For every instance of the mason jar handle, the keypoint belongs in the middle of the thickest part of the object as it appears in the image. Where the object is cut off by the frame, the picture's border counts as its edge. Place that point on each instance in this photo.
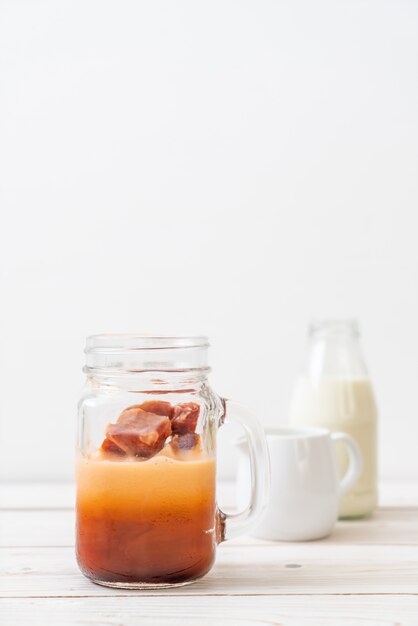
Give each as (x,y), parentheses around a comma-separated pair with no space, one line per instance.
(355,462)
(240,523)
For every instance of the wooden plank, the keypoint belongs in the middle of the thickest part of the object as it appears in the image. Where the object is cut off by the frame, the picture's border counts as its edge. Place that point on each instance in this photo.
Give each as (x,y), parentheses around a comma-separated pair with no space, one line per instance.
(268,569)
(56,528)
(347,579)
(213,611)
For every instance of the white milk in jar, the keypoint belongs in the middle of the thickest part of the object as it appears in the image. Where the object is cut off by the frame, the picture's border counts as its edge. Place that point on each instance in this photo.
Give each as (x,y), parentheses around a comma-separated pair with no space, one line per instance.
(335,392)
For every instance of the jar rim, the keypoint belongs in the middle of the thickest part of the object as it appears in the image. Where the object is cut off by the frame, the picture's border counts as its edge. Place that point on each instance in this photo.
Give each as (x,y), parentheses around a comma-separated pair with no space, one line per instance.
(116,342)
(140,354)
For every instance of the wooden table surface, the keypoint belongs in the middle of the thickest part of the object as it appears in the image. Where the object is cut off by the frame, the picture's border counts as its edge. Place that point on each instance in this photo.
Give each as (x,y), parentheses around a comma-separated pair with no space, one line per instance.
(366,573)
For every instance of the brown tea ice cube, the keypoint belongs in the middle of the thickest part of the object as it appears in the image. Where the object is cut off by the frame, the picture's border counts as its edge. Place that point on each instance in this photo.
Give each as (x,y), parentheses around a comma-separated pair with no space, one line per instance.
(188,441)
(139,433)
(108,447)
(159,407)
(185,418)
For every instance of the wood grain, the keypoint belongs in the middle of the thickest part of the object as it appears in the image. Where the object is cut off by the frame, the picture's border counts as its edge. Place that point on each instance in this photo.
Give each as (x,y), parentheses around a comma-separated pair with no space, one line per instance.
(270,569)
(213,611)
(365,574)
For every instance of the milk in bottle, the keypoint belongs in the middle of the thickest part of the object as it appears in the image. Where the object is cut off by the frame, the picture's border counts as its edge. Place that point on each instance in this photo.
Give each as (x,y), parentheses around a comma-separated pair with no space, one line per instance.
(335,392)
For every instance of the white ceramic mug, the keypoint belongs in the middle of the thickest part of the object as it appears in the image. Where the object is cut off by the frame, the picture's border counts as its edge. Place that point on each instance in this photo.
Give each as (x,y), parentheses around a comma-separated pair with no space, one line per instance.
(305,485)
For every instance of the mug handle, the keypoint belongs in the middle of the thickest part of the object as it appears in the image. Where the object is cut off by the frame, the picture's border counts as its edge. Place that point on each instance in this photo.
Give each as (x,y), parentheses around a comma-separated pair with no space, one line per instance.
(355,462)
(239,523)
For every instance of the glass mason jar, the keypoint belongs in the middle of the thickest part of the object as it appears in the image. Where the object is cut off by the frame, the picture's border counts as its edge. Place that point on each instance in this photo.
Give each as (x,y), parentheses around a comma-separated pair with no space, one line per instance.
(146,463)
(335,392)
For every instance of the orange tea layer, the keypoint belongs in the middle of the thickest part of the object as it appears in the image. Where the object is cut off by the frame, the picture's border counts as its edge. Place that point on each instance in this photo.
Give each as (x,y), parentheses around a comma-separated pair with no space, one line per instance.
(147,521)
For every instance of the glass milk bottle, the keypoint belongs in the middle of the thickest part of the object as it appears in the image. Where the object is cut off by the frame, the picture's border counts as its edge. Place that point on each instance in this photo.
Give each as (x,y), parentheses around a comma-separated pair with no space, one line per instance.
(335,392)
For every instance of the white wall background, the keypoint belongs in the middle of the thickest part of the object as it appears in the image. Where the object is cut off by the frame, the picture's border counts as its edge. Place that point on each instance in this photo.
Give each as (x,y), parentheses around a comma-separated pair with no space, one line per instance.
(225,167)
